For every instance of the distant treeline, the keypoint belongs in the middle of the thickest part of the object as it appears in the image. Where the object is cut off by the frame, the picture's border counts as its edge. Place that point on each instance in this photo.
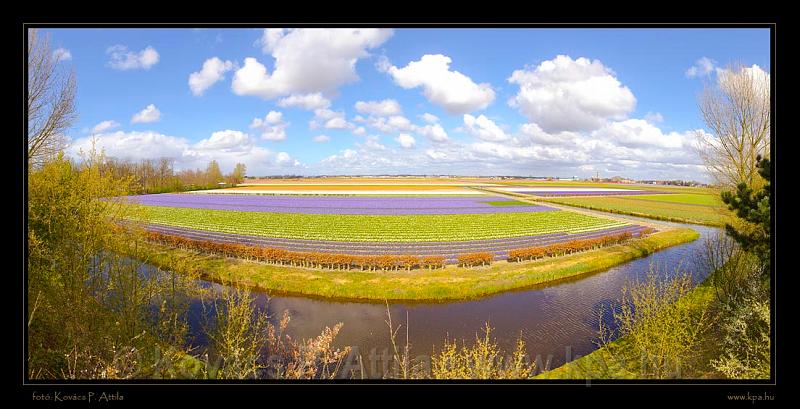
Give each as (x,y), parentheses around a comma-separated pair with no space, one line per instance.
(159,176)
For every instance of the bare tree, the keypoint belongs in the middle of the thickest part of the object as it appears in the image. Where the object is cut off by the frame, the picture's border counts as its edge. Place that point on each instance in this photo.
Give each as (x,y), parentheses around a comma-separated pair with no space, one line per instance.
(237,176)
(51,100)
(736,110)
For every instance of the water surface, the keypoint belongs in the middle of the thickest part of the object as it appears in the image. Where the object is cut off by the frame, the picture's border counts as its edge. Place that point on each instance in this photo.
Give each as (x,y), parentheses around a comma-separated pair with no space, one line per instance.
(558,321)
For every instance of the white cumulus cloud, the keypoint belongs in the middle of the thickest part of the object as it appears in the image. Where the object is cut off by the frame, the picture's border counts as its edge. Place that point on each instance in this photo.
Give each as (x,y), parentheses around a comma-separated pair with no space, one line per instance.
(387,107)
(213,70)
(760,77)
(654,117)
(285,159)
(120,58)
(322,138)
(272,126)
(308,102)
(536,135)
(701,67)
(406,141)
(433,132)
(372,143)
(226,141)
(360,131)
(390,125)
(563,94)
(484,128)
(329,119)
(632,148)
(104,126)
(227,147)
(641,133)
(451,90)
(132,145)
(307,60)
(148,114)
(430,118)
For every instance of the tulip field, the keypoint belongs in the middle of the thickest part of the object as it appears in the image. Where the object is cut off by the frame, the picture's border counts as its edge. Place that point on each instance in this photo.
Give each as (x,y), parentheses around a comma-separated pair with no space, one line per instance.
(468,230)
(380,228)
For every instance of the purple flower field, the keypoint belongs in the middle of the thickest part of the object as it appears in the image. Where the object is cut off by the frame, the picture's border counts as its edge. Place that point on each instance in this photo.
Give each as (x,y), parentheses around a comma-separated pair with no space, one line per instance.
(336,205)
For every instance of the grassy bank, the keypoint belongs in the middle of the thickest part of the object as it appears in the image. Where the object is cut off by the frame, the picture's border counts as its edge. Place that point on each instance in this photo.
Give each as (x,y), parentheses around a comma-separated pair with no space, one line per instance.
(450,283)
(600,364)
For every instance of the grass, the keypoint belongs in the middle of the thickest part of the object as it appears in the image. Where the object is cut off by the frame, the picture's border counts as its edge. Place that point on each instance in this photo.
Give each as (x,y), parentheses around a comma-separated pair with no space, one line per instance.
(683,198)
(687,208)
(600,364)
(366,228)
(450,283)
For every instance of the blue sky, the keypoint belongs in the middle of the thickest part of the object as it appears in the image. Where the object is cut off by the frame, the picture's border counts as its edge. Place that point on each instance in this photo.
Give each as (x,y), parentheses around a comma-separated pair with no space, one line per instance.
(613,101)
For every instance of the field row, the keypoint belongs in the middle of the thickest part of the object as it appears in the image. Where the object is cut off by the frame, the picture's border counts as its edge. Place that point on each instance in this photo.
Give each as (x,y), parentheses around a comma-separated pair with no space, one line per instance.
(570,191)
(339,205)
(343,261)
(346,190)
(345,181)
(550,193)
(499,249)
(687,208)
(375,187)
(372,228)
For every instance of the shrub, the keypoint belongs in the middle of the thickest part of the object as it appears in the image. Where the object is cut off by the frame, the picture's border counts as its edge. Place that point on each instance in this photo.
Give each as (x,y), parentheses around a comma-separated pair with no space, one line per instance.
(484,360)
(662,329)
(431,262)
(746,344)
(475,259)
(569,247)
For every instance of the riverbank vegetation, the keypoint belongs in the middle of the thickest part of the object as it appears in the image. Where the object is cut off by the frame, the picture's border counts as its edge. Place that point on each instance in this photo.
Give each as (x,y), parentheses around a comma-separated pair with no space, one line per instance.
(660,331)
(480,358)
(668,330)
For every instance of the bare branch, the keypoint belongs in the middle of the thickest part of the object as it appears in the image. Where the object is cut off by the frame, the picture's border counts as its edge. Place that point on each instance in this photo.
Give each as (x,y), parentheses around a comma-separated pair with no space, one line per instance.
(51,101)
(736,110)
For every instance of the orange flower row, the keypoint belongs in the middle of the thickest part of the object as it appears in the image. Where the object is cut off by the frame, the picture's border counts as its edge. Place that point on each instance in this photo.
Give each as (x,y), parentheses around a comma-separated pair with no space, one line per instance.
(475,259)
(569,247)
(383,262)
(302,259)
